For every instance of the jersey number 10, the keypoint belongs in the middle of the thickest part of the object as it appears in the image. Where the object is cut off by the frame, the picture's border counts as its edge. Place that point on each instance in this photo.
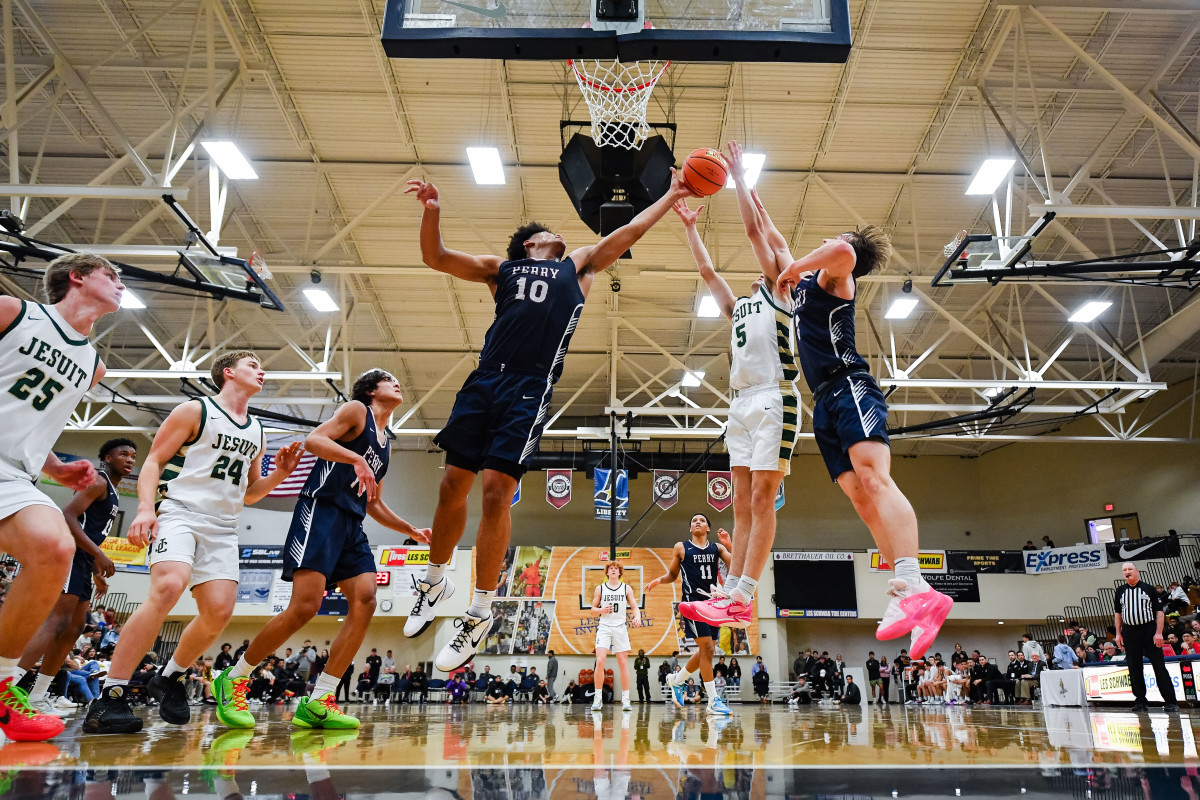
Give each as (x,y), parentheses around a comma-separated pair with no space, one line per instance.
(537,290)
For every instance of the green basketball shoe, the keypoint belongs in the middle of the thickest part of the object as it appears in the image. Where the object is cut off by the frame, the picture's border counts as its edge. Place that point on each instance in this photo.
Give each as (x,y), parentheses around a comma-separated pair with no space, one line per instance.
(232,709)
(322,712)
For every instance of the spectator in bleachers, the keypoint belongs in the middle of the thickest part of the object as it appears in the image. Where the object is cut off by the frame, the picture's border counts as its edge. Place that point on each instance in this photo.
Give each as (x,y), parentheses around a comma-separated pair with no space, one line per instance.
(1029,646)
(1064,655)
(1108,651)
(419,683)
(224,658)
(691,693)
(1188,646)
(496,694)
(1080,655)
(735,674)
(983,674)
(1177,599)
(958,656)
(762,681)
(1086,638)
(851,696)
(1047,543)
(1029,679)
(1029,545)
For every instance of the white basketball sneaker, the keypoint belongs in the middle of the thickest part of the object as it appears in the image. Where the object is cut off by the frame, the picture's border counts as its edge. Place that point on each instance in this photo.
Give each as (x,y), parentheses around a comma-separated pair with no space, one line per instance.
(429,596)
(465,644)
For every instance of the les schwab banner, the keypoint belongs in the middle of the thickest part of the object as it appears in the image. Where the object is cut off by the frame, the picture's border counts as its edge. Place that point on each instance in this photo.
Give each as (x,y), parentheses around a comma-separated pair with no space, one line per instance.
(930,560)
(1112,682)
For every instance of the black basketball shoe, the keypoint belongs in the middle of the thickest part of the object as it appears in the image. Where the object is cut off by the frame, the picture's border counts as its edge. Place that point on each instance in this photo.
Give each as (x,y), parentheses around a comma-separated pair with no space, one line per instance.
(26,682)
(172,698)
(110,713)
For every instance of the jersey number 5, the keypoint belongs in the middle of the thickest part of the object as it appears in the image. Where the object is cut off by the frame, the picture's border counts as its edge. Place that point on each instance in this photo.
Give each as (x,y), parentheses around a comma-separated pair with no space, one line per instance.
(230,467)
(537,290)
(30,381)
(740,330)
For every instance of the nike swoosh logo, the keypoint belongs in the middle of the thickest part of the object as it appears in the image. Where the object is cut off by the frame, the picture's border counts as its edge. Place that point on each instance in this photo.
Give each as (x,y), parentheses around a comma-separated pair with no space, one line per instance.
(527,397)
(499,12)
(319,716)
(1124,553)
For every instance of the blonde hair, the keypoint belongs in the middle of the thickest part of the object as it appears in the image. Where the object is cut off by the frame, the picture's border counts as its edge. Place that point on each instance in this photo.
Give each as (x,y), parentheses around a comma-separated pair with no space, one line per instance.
(610,564)
(228,361)
(57,279)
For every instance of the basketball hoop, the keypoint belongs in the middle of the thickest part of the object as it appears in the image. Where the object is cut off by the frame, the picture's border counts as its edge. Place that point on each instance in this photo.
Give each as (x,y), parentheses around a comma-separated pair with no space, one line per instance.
(617,95)
(259,265)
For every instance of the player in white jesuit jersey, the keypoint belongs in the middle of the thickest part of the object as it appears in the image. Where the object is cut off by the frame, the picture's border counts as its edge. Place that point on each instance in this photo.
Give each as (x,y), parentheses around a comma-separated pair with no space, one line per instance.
(47,365)
(610,601)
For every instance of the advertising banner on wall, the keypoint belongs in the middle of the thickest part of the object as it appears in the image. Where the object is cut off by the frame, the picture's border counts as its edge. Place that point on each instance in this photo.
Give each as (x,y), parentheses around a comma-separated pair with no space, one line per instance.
(961,587)
(1142,549)
(124,555)
(1111,682)
(1065,559)
(931,561)
(986,562)
(260,556)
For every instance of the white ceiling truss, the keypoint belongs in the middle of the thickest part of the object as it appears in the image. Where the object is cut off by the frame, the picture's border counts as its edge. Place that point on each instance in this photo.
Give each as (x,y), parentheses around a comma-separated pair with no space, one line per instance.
(105,102)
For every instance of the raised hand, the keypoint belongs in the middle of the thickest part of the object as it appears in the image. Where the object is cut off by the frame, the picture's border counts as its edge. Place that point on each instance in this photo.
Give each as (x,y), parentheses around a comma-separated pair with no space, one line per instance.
(688,216)
(427,193)
(288,458)
(678,187)
(733,154)
(724,538)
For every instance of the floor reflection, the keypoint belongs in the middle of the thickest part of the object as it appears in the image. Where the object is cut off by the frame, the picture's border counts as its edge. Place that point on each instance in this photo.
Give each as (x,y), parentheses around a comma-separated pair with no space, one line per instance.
(655,752)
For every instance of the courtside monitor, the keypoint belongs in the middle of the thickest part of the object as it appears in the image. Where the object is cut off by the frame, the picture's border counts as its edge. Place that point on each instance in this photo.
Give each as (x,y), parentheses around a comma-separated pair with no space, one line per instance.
(628,30)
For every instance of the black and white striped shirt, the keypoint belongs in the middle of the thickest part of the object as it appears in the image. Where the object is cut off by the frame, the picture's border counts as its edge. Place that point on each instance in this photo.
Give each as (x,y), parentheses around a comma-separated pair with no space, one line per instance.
(1138,604)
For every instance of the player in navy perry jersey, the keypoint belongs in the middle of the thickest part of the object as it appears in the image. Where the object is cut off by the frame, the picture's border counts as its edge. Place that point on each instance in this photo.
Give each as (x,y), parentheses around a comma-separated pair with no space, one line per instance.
(500,411)
(850,414)
(326,547)
(90,515)
(697,561)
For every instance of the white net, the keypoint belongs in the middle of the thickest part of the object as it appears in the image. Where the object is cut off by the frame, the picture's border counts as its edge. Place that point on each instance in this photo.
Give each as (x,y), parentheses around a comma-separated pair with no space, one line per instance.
(617,95)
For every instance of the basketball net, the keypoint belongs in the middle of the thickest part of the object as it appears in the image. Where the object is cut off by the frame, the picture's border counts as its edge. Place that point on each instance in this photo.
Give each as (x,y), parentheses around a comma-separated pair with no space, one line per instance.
(617,95)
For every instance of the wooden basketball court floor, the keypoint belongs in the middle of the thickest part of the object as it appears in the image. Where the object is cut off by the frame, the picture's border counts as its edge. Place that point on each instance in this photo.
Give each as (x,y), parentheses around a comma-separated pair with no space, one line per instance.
(657,751)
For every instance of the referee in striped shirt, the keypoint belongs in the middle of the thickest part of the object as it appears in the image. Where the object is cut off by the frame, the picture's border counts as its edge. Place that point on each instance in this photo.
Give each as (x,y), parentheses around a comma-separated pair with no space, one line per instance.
(1139,623)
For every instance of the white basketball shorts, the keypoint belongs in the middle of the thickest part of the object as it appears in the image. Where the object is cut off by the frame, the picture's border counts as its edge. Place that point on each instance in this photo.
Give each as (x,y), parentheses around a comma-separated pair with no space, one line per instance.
(208,544)
(763,421)
(613,638)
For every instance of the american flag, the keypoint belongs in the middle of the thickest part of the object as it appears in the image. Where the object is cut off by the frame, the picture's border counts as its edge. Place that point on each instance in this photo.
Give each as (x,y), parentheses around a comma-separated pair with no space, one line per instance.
(292,484)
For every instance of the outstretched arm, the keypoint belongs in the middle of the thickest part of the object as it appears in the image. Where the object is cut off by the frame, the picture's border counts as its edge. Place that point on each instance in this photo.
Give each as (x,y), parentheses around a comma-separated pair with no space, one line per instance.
(835,256)
(762,234)
(672,573)
(381,513)
(435,254)
(717,286)
(603,254)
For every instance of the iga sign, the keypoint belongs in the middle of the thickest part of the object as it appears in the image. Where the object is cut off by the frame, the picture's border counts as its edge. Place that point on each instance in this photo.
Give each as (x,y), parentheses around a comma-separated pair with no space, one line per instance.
(1065,559)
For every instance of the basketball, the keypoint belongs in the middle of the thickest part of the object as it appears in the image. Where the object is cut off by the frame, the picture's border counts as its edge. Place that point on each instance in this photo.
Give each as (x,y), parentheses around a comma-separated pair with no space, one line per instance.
(705,171)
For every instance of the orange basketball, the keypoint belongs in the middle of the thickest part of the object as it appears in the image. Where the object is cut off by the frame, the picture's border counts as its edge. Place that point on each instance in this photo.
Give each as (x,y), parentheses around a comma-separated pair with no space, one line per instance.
(705,171)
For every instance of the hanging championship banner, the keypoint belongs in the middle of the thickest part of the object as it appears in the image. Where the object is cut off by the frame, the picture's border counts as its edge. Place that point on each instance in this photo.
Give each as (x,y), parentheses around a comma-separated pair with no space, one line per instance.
(516,496)
(780,499)
(720,490)
(603,495)
(666,488)
(558,487)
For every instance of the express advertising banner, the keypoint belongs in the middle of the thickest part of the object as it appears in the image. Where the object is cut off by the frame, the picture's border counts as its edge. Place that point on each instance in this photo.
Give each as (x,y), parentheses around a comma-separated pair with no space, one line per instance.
(1065,559)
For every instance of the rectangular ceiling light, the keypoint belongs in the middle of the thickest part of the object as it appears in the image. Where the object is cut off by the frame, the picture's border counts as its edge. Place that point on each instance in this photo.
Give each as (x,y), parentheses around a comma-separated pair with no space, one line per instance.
(990,175)
(708,307)
(692,378)
(230,160)
(485,163)
(320,300)
(1089,311)
(901,307)
(131,300)
(753,162)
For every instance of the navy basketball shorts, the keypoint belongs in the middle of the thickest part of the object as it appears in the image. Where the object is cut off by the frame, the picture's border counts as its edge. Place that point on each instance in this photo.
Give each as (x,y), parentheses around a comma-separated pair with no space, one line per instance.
(496,422)
(79,582)
(327,539)
(697,630)
(851,413)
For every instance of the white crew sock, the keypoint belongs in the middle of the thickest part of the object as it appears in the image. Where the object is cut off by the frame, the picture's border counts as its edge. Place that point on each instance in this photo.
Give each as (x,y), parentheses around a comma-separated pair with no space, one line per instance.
(908,569)
(8,669)
(226,787)
(681,678)
(710,687)
(731,582)
(41,686)
(325,683)
(745,590)
(624,697)
(172,669)
(18,673)
(110,682)
(434,573)
(481,603)
(241,669)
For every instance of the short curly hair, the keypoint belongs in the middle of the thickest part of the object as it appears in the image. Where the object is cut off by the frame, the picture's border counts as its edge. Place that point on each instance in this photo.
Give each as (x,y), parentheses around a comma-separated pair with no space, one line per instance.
(113,444)
(368,382)
(609,564)
(516,244)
